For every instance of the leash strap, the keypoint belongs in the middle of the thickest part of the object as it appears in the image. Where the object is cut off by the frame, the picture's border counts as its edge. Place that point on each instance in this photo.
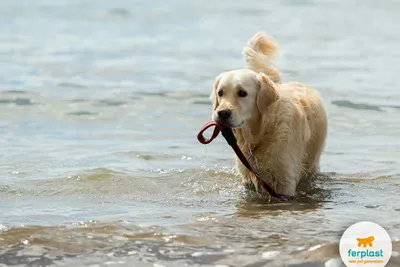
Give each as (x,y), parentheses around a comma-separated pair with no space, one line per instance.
(231,140)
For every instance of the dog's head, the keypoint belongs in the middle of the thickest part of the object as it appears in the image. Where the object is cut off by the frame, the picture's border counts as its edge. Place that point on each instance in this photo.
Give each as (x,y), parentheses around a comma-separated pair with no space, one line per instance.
(239,95)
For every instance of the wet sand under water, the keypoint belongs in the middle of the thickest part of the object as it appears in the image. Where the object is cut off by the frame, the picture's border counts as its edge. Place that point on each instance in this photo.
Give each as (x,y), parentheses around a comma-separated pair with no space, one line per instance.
(100,105)
(205,218)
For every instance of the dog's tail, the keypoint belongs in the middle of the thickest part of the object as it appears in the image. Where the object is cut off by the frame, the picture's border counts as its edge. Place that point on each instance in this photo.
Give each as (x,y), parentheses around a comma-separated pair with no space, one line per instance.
(259,54)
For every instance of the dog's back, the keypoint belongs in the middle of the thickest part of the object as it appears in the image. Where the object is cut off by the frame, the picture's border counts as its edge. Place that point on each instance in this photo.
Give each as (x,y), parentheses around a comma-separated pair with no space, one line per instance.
(259,54)
(309,100)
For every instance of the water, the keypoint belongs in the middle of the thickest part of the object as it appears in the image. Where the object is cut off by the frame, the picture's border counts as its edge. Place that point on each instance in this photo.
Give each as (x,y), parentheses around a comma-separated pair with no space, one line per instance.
(100,104)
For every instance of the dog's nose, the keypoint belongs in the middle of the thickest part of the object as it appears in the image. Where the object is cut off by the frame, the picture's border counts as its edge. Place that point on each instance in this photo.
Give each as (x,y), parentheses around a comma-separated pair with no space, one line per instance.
(224,114)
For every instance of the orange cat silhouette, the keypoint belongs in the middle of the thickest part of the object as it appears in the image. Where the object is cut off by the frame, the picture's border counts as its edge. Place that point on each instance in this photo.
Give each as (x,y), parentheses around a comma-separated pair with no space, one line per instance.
(365,241)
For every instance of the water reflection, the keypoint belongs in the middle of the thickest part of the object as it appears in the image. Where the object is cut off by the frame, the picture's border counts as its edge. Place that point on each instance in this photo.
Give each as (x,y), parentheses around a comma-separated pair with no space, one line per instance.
(312,193)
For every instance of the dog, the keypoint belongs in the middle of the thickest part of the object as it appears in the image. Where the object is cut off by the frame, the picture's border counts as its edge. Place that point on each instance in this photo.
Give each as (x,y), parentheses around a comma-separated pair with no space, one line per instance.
(280,127)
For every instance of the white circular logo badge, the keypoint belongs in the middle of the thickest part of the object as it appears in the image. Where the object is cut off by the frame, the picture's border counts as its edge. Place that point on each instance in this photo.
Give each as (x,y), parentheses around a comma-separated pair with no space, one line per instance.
(365,243)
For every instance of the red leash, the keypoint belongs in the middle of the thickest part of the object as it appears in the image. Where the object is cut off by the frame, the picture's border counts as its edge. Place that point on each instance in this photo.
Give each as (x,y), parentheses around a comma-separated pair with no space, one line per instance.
(231,139)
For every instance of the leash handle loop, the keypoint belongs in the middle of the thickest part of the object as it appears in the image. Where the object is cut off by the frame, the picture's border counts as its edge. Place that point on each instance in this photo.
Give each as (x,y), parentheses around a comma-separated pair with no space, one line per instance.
(219,127)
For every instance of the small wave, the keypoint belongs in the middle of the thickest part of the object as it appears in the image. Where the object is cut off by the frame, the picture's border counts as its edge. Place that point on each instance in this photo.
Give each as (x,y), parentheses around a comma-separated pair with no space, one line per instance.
(71,85)
(82,113)
(19,101)
(168,185)
(113,13)
(17,92)
(112,103)
(175,94)
(366,177)
(201,102)
(78,100)
(349,104)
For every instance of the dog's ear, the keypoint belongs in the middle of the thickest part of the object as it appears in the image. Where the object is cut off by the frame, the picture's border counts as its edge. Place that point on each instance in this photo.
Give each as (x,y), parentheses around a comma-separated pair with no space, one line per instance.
(213,96)
(267,93)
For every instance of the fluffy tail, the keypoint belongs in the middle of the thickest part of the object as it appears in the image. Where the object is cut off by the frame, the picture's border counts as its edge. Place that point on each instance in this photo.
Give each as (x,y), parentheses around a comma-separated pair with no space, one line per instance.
(259,54)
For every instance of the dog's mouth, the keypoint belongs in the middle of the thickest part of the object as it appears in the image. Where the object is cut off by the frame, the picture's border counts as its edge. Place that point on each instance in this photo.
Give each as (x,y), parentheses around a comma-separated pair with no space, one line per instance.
(232,125)
(240,125)
(231,121)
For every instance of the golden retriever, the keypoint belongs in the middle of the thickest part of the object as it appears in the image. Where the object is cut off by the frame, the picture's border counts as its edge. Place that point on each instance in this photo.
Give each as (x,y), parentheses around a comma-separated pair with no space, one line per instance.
(280,127)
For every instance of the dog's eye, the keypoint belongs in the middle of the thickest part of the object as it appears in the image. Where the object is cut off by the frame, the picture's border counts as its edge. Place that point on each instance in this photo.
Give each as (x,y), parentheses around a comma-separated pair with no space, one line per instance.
(242,93)
(220,93)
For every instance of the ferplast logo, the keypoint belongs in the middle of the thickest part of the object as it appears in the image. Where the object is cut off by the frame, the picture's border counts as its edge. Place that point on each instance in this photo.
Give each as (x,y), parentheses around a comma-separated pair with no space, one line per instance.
(365,243)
